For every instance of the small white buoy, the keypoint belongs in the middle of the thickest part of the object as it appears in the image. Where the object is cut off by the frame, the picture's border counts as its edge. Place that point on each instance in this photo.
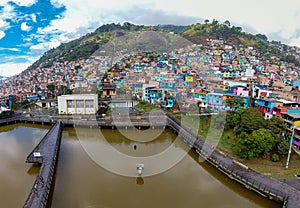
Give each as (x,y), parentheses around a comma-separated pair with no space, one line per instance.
(140,167)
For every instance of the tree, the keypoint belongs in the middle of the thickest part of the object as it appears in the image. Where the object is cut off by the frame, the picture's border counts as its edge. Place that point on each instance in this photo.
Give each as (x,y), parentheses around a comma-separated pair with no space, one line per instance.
(276,125)
(282,147)
(251,120)
(227,23)
(206,21)
(234,119)
(234,102)
(230,102)
(214,22)
(252,145)
(51,87)
(243,147)
(262,37)
(94,89)
(265,138)
(64,90)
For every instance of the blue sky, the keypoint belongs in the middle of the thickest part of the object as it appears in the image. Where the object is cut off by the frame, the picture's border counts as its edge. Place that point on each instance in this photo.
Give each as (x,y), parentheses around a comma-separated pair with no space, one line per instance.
(28,28)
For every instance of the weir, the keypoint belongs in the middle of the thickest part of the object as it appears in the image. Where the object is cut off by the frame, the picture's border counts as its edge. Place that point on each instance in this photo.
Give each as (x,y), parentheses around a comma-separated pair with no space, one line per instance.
(45,154)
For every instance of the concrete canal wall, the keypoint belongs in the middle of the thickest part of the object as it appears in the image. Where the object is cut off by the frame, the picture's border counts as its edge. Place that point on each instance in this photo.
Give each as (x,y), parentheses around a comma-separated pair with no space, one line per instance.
(266,186)
(45,154)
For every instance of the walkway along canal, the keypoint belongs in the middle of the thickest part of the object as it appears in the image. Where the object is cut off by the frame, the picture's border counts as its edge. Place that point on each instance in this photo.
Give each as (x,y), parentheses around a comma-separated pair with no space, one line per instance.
(266,186)
(46,154)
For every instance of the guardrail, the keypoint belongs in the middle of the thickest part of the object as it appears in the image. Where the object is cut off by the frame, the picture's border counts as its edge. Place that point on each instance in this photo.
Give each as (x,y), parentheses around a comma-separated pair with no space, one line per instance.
(266,186)
(45,154)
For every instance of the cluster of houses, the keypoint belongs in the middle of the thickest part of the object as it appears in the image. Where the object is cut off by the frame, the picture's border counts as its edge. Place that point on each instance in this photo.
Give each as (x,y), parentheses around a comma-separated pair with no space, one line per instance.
(206,75)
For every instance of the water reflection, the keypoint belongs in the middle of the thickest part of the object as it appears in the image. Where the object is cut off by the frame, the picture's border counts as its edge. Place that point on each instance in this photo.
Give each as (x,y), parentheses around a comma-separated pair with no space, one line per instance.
(33,170)
(139,181)
(17,177)
(80,182)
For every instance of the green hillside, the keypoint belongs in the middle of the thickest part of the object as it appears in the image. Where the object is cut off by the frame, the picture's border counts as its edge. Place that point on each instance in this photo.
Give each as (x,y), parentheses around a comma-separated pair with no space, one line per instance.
(198,33)
(85,46)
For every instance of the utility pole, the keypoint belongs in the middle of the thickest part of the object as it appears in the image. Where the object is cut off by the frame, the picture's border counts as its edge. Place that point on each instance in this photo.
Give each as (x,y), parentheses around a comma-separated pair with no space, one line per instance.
(290,149)
(295,124)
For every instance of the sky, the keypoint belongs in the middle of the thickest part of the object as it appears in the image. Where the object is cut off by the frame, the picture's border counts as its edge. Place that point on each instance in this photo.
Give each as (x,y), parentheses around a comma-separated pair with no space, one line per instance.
(28,28)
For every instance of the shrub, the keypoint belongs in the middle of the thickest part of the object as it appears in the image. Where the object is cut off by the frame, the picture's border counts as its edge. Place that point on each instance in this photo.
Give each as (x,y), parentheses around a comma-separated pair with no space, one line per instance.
(275,158)
(6,114)
(283,147)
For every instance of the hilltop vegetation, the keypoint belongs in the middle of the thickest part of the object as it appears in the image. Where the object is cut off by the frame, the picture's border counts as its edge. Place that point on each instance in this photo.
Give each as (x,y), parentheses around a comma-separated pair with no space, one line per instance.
(85,46)
(198,33)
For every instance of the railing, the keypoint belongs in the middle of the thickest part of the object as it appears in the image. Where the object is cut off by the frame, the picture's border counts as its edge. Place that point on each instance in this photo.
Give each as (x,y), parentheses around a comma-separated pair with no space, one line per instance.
(268,187)
(49,147)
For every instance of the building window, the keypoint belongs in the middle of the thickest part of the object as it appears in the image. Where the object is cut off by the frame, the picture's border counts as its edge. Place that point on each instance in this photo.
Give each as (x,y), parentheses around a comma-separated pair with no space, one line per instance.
(89,104)
(70,104)
(79,104)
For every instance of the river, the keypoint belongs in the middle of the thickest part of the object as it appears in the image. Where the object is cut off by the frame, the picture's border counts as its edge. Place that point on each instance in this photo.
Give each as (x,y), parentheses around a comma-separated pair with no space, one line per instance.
(81,182)
(16,176)
(84,182)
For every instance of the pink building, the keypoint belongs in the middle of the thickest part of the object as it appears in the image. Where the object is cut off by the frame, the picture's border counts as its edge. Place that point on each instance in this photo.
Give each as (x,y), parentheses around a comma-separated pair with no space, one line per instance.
(241,91)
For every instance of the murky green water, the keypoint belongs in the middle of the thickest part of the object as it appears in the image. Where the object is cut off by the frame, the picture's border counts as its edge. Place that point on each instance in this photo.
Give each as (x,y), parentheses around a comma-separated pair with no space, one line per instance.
(81,182)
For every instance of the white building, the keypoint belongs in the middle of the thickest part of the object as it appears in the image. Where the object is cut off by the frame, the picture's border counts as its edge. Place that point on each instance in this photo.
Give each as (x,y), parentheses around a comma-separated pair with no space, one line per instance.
(78,104)
(123,103)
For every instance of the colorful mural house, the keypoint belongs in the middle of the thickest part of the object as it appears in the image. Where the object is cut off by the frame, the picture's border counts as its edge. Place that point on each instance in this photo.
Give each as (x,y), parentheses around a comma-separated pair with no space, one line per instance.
(216,102)
(260,92)
(137,90)
(277,107)
(266,106)
(202,99)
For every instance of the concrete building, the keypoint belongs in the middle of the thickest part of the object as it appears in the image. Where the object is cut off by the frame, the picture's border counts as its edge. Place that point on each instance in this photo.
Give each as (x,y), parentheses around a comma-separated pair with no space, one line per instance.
(78,104)
(123,103)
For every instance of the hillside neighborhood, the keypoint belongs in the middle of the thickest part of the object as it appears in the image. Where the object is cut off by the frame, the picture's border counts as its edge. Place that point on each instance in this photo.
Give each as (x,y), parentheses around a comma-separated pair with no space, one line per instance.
(202,78)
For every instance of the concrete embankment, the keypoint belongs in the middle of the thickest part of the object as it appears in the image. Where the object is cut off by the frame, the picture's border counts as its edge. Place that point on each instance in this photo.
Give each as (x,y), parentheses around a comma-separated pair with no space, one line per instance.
(45,154)
(266,186)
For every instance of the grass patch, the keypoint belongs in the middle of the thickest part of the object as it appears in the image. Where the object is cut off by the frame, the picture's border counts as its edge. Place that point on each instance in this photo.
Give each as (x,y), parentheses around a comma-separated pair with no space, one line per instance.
(146,107)
(264,165)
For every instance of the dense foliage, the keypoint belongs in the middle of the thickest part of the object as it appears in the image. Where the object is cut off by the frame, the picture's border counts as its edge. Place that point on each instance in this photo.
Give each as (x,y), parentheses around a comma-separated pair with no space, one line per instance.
(84,47)
(256,136)
(5,114)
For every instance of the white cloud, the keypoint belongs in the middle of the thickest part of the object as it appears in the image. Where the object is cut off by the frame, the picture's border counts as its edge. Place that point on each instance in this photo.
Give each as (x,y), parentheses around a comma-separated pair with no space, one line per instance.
(11,65)
(9,49)
(56,3)
(2,34)
(295,42)
(266,17)
(25,27)
(33,17)
(11,69)
(19,2)
(3,23)
(44,46)
(7,12)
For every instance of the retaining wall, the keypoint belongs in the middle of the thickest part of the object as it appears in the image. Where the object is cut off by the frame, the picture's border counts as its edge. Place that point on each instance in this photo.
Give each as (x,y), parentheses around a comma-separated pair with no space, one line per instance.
(266,186)
(45,154)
